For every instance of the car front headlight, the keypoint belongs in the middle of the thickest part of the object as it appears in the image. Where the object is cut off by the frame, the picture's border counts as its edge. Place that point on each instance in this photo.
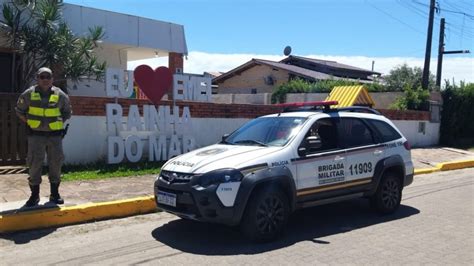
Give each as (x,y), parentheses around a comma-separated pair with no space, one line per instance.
(220,176)
(158,176)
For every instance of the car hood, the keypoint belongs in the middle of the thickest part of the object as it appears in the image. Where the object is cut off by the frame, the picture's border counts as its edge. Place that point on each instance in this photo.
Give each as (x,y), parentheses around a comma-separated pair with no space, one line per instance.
(218,156)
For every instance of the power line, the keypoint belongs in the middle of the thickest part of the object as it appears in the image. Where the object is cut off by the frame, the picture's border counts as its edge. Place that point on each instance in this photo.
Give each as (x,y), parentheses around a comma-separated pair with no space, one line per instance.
(395,18)
(459,5)
(447,10)
(452,6)
(413,9)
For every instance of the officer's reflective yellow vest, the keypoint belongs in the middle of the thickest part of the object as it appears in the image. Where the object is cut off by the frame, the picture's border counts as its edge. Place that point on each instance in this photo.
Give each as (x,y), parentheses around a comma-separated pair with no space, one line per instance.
(37,114)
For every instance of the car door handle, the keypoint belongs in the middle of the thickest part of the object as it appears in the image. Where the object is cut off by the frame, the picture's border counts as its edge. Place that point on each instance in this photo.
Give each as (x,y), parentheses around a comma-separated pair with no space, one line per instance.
(339,158)
(378,152)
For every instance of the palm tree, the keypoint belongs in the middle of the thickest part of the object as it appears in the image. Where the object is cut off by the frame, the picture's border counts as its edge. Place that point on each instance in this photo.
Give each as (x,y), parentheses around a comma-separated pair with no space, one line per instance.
(38,36)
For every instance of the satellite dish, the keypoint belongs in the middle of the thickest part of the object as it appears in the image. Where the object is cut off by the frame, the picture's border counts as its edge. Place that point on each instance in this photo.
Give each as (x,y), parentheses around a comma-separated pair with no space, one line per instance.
(287,50)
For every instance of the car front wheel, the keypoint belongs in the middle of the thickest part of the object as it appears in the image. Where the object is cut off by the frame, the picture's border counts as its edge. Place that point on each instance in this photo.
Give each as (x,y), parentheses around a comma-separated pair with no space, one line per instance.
(266,215)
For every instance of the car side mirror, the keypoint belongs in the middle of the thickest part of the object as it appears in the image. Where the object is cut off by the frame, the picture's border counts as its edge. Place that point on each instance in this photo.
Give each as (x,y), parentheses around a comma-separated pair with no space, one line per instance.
(302,151)
(224,137)
(311,143)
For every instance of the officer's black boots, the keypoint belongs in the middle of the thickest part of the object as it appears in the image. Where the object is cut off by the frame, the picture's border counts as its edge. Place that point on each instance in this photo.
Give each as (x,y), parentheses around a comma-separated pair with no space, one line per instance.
(34,198)
(55,197)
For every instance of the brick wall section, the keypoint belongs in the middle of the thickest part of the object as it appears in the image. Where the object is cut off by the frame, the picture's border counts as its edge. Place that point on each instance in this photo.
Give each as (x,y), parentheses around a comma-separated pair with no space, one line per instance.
(175,60)
(405,115)
(95,106)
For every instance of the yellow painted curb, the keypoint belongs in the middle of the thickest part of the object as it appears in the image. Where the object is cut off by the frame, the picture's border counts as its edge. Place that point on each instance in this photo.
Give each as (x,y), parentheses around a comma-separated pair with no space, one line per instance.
(455,165)
(426,170)
(76,214)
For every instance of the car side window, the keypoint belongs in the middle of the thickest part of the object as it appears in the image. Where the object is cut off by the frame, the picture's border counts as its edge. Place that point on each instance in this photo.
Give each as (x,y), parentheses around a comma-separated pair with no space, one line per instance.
(353,133)
(387,133)
(326,130)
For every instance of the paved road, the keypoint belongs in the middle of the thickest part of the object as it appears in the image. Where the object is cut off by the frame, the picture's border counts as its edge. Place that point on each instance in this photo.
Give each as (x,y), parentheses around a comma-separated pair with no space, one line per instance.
(434,225)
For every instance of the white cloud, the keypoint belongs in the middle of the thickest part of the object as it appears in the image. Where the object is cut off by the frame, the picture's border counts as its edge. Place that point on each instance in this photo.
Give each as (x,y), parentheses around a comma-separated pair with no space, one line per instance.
(459,68)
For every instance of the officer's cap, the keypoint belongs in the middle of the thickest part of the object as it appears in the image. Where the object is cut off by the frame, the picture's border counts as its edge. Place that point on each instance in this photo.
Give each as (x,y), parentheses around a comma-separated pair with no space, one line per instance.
(44,70)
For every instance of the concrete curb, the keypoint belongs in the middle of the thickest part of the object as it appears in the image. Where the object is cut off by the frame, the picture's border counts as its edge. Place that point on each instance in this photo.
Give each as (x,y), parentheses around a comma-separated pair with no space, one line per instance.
(423,171)
(455,165)
(446,167)
(36,219)
(76,214)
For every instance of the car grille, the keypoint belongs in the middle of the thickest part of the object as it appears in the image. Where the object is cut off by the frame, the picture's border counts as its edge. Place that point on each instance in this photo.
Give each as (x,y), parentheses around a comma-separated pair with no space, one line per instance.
(175,177)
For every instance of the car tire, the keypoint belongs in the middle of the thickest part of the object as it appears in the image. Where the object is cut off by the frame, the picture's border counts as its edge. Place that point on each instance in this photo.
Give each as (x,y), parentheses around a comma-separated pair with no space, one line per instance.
(266,215)
(388,196)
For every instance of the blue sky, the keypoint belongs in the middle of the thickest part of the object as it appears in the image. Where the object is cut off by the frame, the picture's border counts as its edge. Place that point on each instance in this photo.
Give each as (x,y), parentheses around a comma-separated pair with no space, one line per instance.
(341,29)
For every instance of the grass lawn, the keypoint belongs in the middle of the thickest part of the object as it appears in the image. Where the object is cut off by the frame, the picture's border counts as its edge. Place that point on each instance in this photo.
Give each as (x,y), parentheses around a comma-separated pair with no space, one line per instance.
(103,170)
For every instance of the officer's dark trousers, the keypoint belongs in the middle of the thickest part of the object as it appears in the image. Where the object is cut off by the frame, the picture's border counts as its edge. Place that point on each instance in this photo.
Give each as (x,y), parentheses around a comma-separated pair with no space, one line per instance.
(38,146)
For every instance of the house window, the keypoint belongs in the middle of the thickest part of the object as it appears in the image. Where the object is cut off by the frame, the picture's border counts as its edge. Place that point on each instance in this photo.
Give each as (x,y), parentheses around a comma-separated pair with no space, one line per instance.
(6,70)
(422,127)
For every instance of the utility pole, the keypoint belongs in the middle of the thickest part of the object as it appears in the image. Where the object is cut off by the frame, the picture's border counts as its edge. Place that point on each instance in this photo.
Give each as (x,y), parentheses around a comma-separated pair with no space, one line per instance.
(440,53)
(426,69)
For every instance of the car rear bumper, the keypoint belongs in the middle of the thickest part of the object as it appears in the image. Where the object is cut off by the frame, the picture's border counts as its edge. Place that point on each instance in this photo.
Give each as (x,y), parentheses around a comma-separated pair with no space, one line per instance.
(408,180)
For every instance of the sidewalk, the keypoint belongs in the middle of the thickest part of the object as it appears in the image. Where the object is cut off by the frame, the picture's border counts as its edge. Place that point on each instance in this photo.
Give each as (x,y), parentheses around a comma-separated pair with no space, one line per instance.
(115,193)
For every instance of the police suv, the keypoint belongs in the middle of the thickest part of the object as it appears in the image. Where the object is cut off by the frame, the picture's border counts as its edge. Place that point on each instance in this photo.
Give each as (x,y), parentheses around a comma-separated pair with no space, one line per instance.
(275,164)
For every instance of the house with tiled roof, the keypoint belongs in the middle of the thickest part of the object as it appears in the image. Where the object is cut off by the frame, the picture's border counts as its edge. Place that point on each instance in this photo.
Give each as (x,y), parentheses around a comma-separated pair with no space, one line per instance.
(263,76)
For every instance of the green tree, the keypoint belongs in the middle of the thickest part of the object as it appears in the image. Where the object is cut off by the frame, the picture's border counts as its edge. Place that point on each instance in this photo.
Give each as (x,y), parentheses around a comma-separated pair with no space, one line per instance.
(407,79)
(414,99)
(38,36)
(404,76)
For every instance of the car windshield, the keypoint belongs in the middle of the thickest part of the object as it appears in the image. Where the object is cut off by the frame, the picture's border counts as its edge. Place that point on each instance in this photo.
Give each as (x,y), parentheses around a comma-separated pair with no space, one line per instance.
(266,131)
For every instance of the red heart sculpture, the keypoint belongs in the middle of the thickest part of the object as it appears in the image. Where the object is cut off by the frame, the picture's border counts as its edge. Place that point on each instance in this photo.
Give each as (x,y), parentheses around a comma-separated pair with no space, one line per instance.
(154,84)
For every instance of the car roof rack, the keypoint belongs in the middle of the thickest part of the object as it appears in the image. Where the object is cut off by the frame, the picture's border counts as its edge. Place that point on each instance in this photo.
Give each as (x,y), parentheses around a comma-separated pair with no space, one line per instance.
(307,106)
(358,109)
(324,106)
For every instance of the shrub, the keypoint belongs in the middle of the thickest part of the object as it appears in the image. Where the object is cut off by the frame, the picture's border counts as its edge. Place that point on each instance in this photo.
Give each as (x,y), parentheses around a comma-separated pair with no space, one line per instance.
(302,86)
(457,116)
(293,86)
(414,99)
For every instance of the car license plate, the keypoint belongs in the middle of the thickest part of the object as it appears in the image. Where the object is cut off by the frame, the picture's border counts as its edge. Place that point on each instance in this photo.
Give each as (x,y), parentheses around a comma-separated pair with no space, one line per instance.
(167,198)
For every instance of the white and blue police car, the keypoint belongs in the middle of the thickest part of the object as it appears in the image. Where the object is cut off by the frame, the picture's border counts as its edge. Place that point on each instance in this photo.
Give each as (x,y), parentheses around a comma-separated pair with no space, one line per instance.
(275,164)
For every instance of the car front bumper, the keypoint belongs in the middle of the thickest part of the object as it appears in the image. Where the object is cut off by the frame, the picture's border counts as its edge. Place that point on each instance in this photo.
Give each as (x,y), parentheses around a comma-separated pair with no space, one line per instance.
(196,203)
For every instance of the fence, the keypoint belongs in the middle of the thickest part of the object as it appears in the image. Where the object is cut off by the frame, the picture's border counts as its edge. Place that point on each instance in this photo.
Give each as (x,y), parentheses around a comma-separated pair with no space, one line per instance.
(13,146)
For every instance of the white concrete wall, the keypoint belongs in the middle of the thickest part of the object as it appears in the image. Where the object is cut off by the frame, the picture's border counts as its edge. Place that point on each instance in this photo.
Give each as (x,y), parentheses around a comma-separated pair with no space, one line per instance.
(126,29)
(259,98)
(86,141)
(410,130)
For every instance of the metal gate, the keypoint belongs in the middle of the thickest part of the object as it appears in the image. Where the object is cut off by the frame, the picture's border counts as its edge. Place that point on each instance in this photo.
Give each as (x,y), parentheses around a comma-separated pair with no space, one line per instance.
(12,132)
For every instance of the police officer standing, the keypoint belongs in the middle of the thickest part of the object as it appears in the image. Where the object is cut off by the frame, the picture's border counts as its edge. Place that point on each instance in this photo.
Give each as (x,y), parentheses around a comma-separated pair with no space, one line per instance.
(44,108)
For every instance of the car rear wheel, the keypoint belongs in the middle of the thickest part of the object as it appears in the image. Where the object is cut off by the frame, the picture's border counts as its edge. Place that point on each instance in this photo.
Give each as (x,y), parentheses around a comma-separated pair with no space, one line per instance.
(266,215)
(389,194)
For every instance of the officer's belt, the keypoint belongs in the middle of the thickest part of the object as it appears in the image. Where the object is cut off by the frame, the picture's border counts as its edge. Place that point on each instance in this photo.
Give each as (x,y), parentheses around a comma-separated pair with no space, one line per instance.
(45,133)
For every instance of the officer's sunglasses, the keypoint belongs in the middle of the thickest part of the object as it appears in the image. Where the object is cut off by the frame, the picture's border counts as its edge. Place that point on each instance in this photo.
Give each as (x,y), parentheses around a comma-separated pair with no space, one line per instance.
(45,77)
